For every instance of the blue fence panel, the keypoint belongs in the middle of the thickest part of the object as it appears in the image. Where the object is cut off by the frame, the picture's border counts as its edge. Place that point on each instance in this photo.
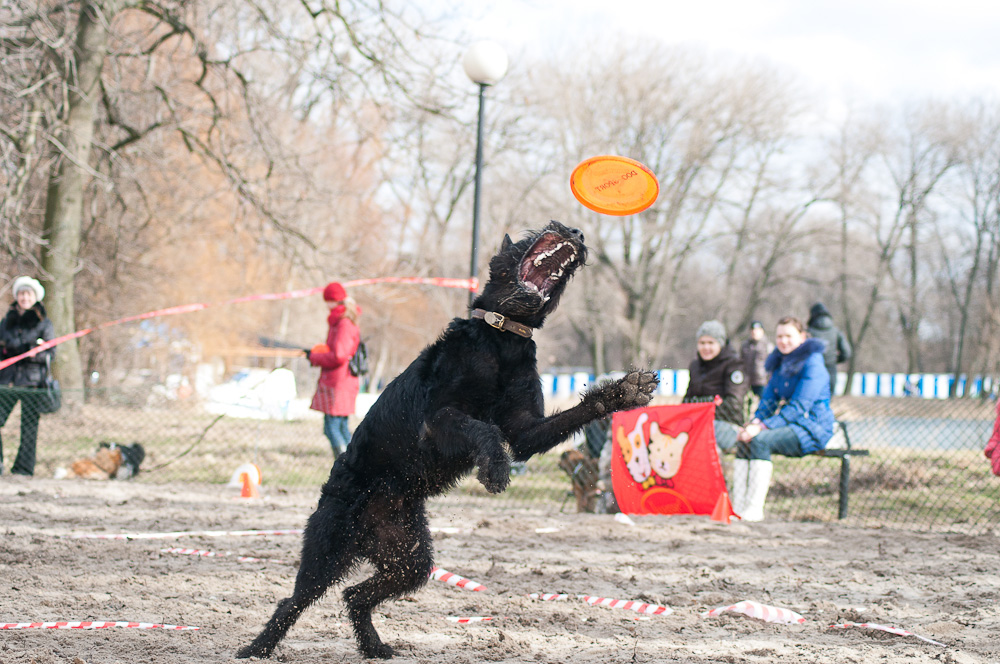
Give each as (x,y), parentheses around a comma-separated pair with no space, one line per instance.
(674,382)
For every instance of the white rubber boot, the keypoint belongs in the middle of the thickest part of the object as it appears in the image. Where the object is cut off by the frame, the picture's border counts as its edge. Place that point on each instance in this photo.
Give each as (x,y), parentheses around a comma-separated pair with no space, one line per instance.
(741,474)
(758,483)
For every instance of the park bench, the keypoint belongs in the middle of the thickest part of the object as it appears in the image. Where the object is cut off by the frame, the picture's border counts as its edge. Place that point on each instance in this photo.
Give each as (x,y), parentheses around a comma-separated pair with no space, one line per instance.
(581,466)
(844,454)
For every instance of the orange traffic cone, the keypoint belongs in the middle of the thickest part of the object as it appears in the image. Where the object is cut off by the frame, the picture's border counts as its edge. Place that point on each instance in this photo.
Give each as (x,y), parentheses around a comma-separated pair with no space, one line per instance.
(249,489)
(723,509)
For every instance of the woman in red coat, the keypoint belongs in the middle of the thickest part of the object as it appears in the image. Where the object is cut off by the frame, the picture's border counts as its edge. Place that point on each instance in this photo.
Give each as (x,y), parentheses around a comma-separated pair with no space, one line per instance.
(993,445)
(337,388)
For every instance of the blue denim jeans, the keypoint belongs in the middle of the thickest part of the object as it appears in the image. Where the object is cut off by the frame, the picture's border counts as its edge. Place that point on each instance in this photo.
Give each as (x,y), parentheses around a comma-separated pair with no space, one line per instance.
(335,428)
(725,435)
(782,440)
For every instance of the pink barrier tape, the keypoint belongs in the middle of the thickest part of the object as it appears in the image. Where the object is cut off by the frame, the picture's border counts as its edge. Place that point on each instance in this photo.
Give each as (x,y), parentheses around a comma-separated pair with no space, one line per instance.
(187,533)
(214,554)
(88,624)
(891,630)
(760,611)
(464,620)
(628,605)
(439,574)
(444,282)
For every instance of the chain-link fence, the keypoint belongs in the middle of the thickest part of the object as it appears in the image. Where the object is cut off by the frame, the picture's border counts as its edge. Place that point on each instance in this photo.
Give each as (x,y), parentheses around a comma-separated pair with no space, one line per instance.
(925,468)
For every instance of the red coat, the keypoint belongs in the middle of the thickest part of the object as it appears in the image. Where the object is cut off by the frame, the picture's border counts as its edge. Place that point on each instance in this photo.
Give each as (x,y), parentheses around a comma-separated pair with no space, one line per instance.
(993,446)
(337,388)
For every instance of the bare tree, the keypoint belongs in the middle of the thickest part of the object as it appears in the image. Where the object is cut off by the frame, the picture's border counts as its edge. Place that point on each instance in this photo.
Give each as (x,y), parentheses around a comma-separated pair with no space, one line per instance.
(84,84)
(708,132)
(966,237)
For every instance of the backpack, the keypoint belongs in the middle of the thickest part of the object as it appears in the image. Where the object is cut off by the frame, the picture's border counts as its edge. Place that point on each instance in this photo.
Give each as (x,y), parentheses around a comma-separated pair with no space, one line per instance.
(358,366)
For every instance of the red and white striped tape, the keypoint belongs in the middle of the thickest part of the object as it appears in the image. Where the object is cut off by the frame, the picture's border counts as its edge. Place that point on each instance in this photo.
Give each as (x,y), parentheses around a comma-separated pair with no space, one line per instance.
(628,605)
(186,533)
(761,611)
(886,628)
(439,574)
(471,284)
(88,624)
(465,620)
(215,554)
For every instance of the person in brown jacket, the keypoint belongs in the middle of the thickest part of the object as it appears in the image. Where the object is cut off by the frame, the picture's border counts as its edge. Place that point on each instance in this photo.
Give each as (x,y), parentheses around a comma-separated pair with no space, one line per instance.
(753,353)
(718,372)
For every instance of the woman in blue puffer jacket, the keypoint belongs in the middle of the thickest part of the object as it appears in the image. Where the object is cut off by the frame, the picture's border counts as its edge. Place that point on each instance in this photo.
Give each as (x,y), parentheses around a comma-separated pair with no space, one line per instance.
(793,419)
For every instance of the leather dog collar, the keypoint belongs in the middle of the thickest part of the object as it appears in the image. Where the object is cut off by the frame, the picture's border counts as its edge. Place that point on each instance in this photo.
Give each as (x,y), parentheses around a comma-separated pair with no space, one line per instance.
(501,323)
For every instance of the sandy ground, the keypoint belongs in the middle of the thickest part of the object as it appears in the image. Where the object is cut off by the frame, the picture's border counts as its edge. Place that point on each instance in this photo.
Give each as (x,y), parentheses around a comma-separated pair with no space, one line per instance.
(944,587)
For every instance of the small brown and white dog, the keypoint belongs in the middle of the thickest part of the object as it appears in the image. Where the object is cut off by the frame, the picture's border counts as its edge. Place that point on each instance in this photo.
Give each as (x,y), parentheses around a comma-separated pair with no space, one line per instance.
(111,461)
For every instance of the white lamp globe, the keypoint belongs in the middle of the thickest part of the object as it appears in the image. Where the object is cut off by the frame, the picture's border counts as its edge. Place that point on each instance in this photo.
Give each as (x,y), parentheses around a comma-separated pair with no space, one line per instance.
(485,62)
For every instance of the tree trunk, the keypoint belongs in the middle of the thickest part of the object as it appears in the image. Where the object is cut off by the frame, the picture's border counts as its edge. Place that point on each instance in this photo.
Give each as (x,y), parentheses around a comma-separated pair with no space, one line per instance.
(64,207)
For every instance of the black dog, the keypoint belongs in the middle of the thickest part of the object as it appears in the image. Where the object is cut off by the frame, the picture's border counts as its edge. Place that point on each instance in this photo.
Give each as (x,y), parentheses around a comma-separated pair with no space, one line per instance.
(471,399)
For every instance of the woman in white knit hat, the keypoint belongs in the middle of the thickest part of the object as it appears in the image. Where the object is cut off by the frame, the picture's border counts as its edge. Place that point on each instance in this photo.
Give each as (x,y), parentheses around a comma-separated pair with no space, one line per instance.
(25,326)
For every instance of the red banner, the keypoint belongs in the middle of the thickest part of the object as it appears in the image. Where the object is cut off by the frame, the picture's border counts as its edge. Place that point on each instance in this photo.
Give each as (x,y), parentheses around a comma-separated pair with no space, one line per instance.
(664,460)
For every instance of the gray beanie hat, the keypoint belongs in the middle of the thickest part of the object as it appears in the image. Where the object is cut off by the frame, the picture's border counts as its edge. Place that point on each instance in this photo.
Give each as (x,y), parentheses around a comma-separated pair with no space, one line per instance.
(714,329)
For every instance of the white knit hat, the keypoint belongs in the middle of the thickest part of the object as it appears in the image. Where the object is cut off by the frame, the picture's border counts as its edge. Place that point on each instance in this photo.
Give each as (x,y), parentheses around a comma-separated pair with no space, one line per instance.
(27,282)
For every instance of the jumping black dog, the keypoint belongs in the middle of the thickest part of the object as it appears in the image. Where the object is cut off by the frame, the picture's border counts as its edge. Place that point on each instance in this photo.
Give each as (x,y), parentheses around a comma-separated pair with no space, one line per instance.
(471,399)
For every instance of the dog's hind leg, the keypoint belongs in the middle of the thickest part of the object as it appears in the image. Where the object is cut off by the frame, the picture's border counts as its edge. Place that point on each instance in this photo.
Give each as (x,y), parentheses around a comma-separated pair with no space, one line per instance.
(329,550)
(399,546)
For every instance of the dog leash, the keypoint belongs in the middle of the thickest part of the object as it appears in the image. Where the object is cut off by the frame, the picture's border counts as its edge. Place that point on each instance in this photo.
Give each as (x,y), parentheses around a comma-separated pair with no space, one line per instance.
(502,323)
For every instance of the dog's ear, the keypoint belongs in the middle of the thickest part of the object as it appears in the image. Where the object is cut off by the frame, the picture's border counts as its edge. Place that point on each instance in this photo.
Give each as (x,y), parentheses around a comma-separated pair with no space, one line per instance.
(506,244)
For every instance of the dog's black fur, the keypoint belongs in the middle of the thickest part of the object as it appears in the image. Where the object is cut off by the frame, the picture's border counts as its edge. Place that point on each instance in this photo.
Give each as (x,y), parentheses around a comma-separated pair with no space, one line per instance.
(471,399)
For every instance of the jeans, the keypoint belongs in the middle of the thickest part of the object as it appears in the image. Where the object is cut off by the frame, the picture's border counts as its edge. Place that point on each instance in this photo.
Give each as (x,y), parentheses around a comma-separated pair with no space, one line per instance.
(725,435)
(335,428)
(782,440)
(24,462)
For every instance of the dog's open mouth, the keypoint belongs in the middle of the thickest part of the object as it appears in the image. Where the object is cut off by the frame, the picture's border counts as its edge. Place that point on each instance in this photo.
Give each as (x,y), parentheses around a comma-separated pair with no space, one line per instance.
(549,260)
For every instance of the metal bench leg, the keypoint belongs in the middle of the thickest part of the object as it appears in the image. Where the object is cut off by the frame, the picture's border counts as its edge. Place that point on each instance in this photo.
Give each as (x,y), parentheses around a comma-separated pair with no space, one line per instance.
(845,480)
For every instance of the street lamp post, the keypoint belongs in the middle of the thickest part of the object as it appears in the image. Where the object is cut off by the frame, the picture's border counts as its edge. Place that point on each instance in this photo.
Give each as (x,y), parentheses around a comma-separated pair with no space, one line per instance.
(485,63)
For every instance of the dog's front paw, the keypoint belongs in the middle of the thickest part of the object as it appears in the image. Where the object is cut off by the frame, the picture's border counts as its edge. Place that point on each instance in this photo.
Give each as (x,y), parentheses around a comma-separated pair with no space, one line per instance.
(634,390)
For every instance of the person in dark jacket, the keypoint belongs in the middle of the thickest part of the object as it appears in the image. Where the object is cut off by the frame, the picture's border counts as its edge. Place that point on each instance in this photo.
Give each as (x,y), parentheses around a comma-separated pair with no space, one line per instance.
(753,353)
(24,327)
(838,349)
(338,387)
(718,372)
(793,419)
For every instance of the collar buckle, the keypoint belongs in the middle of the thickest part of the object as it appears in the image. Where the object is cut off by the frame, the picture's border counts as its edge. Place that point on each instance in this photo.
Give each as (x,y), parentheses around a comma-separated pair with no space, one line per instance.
(494,319)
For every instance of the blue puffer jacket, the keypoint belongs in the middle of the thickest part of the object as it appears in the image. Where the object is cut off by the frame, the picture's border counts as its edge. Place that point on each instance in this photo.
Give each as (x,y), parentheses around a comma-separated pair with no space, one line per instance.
(798,395)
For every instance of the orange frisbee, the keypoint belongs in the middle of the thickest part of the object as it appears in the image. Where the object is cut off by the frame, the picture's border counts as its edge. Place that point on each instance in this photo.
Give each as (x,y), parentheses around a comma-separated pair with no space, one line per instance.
(614,185)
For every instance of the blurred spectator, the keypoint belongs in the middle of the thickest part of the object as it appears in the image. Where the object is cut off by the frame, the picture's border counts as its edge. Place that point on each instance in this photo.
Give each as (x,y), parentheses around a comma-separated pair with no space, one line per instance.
(837,350)
(718,372)
(24,327)
(992,451)
(753,353)
(338,387)
(793,419)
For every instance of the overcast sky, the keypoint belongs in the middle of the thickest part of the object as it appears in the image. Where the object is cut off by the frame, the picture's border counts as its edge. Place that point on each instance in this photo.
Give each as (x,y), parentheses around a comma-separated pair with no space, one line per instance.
(848,50)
